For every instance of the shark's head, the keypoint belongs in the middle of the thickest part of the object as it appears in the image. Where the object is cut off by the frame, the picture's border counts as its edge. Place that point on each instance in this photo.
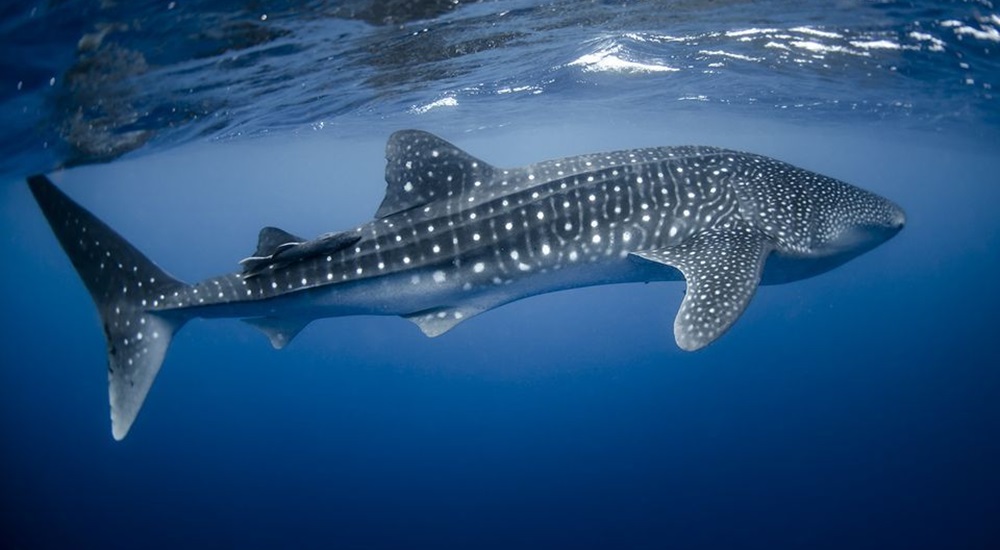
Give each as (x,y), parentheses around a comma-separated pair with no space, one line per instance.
(855,222)
(816,222)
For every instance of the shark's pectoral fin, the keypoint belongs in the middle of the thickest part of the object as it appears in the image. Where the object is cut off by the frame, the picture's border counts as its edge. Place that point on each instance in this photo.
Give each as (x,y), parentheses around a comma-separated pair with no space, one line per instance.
(722,270)
(279,330)
(437,321)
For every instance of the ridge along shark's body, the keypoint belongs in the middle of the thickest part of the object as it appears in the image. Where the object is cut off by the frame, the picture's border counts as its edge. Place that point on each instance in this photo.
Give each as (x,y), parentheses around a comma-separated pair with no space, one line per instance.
(455,237)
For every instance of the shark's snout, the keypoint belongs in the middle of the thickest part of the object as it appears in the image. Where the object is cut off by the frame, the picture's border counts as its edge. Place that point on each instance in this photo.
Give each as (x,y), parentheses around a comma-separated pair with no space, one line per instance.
(898,219)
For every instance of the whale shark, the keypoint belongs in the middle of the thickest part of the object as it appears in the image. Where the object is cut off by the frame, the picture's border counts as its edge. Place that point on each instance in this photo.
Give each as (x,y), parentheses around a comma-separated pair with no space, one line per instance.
(456,236)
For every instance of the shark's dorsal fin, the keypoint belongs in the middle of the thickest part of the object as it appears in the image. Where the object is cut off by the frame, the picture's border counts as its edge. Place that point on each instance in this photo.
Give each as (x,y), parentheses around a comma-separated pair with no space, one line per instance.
(279,330)
(421,167)
(277,249)
(722,270)
(271,239)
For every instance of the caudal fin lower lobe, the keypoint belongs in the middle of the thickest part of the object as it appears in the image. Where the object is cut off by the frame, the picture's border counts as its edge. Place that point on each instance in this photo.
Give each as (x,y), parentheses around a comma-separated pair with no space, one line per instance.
(127,288)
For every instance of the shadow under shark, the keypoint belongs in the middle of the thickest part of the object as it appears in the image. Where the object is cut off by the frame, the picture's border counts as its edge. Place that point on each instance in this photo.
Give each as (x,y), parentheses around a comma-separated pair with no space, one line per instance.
(456,236)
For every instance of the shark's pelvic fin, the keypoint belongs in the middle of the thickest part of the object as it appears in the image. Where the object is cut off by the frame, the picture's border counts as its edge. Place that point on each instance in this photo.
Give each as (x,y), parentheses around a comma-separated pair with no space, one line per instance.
(722,270)
(437,321)
(125,286)
(422,167)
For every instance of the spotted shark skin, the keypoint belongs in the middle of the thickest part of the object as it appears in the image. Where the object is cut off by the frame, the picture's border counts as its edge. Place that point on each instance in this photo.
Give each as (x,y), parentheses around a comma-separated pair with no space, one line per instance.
(455,237)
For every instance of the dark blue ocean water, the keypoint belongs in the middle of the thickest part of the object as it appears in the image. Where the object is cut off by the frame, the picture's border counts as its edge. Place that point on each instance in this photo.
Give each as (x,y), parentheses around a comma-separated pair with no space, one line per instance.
(857,409)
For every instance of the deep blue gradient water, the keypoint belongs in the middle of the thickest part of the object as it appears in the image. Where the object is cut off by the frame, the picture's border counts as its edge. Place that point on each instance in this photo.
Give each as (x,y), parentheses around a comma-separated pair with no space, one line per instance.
(857,409)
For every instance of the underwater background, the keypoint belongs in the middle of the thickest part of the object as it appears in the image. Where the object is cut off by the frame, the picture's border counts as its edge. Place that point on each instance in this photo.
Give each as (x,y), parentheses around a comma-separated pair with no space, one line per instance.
(856,409)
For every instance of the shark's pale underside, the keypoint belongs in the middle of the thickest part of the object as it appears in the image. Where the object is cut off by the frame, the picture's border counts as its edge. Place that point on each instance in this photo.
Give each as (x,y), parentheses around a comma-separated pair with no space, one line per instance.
(455,237)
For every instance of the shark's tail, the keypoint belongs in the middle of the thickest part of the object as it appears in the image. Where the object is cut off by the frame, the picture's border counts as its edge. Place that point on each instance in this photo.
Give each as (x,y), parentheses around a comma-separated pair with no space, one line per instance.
(127,288)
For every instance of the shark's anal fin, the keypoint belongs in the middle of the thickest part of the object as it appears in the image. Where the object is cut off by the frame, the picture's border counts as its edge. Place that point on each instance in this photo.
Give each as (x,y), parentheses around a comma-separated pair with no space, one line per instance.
(437,321)
(722,270)
(277,249)
(126,287)
(279,330)
(421,167)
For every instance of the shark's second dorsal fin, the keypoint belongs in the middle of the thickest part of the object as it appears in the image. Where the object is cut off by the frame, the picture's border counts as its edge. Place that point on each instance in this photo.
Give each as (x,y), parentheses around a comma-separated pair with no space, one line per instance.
(421,167)
(277,248)
(272,239)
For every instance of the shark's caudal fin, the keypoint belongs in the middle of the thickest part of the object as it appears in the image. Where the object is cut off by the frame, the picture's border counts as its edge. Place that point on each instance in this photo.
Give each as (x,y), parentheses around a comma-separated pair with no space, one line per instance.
(126,287)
